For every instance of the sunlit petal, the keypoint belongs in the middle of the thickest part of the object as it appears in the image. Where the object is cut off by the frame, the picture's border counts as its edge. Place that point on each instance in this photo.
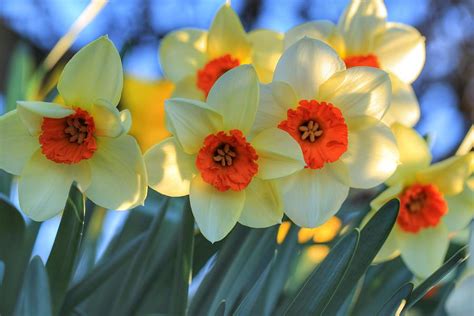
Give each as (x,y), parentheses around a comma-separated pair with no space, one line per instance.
(404,107)
(267,48)
(32,113)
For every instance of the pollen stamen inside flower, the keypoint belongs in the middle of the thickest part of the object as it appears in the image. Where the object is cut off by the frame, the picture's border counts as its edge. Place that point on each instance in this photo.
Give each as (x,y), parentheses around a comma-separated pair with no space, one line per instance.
(77,129)
(224,155)
(310,131)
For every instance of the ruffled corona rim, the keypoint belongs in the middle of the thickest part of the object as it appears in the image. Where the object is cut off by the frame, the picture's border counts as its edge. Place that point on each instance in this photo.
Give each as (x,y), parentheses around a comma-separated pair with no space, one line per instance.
(369,60)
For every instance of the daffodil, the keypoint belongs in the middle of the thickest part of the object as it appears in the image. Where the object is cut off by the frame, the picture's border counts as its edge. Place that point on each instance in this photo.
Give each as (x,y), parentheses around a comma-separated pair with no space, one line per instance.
(363,37)
(211,159)
(434,201)
(51,145)
(146,102)
(334,115)
(194,59)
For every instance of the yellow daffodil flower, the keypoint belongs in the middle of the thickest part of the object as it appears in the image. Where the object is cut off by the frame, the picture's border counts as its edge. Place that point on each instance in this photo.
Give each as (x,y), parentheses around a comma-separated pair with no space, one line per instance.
(210,158)
(146,102)
(334,115)
(324,233)
(50,145)
(363,37)
(435,200)
(194,59)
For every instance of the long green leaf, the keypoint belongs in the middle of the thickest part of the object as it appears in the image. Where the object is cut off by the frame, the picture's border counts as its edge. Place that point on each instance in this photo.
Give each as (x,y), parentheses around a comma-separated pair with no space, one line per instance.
(396,302)
(60,265)
(19,72)
(372,237)
(2,272)
(321,285)
(34,297)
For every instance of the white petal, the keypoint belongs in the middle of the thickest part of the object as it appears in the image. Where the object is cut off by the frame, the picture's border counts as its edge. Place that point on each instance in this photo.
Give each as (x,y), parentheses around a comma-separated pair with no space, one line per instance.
(235,97)
(16,144)
(187,88)
(107,120)
(119,180)
(390,193)
(169,168)
(182,53)
(32,113)
(126,120)
(306,65)
(263,207)
(279,154)
(400,49)
(311,197)
(216,213)
(267,47)
(460,208)
(43,187)
(358,91)
(404,108)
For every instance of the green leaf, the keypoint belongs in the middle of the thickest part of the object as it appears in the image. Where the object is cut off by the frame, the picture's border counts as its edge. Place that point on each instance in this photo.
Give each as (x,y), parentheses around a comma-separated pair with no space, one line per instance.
(61,261)
(397,301)
(322,283)
(436,277)
(5,182)
(34,297)
(183,262)
(221,309)
(2,272)
(372,237)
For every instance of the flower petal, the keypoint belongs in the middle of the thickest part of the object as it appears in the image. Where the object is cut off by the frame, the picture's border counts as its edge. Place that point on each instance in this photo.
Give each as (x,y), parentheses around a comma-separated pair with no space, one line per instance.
(358,91)
(400,49)
(31,113)
(279,154)
(404,107)
(388,194)
(414,154)
(227,36)
(449,175)
(460,208)
(16,144)
(187,88)
(359,24)
(169,168)
(372,155)
(43,187)
(267,48)
(190,122)
(95,72)
(182,53)
(424,251)
(311,197)
(119,180)
(276,99)
(306,65)
(216,213)
(235,97)
(126,120)
(322,30)
(262,207)
(107,120)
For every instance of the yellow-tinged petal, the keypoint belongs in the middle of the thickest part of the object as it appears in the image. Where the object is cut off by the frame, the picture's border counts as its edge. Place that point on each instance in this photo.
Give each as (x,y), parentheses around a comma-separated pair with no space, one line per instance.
(187,88)
(311,197)
(424,251)
(283,231)
(16,144)
(126,120)
(306,65)
(267,48)
(276,99)
(182,53)
(371,157)
(95,72)
(262,207)
(118,175)
(460,208)
(106,119)
(216,212)
(43,187)
(414,154)
(404,107)
(279,154)
(227,36)
(32,113)
(390,193)
(190,122)
(400,49)
(322,30)
(448,175)
(235,97)
(358,91)
(359,24)
(169,168)
(327,231)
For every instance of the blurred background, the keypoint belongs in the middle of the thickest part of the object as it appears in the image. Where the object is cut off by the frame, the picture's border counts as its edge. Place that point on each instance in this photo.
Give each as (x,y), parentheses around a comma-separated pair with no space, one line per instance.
(445,88)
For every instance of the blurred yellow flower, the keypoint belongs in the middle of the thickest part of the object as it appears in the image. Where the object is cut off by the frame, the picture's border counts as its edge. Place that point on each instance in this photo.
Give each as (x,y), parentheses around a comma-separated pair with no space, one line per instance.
(322,234)
(146,102)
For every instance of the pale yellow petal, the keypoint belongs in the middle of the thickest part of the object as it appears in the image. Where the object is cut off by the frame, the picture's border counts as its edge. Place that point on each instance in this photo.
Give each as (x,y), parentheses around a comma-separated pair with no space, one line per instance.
(107,120)
(126,120)
(460,208)
(187,88)
(267,47)
(32,113)
(404,107)
(390,193)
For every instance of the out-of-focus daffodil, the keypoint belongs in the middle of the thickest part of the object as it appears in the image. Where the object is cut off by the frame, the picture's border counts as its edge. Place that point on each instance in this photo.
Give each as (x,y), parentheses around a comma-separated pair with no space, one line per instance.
(146,102)
(51,145)
(194,59)
(434,201)
(335,116)
(210,158)
(324,233)
(363,37)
